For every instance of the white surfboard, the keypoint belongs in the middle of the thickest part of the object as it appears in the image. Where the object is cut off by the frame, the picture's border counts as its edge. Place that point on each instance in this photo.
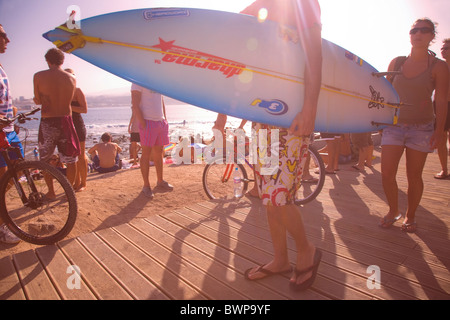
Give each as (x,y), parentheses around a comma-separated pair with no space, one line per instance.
(232,64)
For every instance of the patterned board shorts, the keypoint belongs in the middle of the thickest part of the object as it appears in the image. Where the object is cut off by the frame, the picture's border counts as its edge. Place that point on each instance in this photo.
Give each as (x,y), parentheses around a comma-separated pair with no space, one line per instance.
(58,132)
(278,182)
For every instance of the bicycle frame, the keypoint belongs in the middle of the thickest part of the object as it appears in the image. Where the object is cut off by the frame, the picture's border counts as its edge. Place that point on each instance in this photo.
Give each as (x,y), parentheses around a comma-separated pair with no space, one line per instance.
(5,148)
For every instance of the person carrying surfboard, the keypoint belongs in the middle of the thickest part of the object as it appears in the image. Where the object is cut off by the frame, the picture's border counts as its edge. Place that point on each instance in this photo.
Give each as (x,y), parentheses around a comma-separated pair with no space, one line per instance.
(299,20)
(418,131)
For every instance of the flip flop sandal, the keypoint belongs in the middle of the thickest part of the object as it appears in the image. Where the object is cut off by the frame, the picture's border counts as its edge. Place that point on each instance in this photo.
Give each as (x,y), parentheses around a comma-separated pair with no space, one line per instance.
(409,227)
(441,176)
(265,272)
(308,283)
(387,223)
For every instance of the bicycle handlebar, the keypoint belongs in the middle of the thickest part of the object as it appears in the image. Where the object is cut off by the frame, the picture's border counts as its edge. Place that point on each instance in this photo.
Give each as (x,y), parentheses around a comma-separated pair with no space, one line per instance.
(21,117)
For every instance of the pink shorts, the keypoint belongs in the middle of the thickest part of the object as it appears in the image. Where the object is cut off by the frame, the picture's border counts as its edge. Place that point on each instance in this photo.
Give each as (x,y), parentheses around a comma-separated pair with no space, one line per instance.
(156,133)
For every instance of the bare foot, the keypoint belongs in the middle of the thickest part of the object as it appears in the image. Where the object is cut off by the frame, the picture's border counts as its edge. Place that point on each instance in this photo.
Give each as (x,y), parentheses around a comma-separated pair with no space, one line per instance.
(261,272)
(50,196)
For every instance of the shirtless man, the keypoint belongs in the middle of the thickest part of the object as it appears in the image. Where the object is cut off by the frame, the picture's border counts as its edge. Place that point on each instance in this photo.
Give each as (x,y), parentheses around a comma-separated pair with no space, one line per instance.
(54,89)
(105,155)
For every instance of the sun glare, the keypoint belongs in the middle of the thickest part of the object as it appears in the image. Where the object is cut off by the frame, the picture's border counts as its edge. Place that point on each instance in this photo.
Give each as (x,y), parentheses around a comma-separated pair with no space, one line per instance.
(262,14)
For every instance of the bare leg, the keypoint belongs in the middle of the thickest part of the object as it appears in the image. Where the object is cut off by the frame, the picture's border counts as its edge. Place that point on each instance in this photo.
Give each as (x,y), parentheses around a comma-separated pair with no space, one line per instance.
(71,172)
(278,234)
(390,158)
(145,165)
(281,220)
(415,162)
(305,250)
(443,156)
(81,176)
(157,153)
(369,156)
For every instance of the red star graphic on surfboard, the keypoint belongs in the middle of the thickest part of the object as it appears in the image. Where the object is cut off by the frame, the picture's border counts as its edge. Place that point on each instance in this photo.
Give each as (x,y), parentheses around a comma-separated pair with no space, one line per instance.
(193,58)
(168,46)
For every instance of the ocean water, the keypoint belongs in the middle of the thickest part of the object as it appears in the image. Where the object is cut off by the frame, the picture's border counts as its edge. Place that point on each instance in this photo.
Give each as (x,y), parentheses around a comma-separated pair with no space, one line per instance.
(184,120)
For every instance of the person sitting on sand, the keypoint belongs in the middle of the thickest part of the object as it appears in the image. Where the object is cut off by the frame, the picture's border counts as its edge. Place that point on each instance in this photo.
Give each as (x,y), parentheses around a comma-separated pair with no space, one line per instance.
(105,155)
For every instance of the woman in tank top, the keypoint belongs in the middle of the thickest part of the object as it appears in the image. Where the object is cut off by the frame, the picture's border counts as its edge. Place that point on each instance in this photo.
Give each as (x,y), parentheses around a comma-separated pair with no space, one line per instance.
(417,132)
(79,106)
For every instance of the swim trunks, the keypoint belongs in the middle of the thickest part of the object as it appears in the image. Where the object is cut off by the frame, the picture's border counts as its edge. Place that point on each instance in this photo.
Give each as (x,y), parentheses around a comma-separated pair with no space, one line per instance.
(99,169)
(58,132)
(279,187)
(134,137)
(155,133)
(79,125)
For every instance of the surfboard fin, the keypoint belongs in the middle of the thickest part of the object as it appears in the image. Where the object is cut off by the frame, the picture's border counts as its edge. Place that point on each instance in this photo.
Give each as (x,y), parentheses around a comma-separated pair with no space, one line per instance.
(77,40)
(388,73)
(379,124)
(398,105)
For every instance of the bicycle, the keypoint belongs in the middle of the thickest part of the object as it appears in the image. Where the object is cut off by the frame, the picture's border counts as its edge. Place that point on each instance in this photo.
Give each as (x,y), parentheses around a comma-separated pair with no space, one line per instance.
(218,182)
(25,206)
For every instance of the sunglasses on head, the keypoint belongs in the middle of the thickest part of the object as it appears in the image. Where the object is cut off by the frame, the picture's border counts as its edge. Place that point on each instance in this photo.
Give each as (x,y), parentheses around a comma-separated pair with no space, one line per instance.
(422,30)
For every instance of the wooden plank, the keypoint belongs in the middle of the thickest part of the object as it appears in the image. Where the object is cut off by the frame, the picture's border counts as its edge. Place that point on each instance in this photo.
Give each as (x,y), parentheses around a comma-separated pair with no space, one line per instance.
(358,241)
(65,278)
(171,255)
(395,291)
(325,286)
(227,262)
(94,275)
(34,280)
(167,282)
(9,281)
(131,280)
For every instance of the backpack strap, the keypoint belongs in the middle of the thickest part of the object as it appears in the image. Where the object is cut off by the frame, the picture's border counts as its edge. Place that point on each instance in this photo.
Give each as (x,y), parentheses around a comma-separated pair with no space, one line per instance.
(399,61)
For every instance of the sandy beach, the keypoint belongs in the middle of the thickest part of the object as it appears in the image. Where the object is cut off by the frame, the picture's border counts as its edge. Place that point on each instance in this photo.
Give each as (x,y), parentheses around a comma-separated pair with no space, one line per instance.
(115,198)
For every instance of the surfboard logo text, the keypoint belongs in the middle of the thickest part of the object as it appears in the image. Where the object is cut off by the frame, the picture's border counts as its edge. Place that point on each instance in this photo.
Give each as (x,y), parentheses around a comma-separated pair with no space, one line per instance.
(165,13)
(376,99)
(354,58)
(196,59)
(275,107)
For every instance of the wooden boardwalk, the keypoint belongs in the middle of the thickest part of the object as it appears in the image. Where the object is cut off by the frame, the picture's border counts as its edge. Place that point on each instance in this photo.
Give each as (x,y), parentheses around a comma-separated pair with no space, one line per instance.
(202,250)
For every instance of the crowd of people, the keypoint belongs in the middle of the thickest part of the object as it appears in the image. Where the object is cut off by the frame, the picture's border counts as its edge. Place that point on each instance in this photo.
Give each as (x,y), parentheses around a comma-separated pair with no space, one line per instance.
(421,129)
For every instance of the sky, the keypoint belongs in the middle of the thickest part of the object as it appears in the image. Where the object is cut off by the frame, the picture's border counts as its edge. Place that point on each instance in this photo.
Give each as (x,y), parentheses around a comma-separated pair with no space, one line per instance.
(375,30)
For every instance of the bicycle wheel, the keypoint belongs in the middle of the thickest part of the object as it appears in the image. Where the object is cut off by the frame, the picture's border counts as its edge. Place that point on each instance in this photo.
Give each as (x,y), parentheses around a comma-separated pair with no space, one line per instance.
(311,188)
(27,209)
(218,180)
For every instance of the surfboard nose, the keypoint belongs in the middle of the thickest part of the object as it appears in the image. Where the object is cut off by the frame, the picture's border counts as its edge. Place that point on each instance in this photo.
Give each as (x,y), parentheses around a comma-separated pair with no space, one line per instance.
(47,35)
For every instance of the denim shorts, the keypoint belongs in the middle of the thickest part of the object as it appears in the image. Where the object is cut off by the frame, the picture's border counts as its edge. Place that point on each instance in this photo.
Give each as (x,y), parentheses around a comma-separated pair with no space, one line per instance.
(413,136)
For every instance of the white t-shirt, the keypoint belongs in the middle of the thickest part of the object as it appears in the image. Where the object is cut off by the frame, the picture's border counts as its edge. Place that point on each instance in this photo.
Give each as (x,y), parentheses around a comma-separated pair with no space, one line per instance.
(151,103)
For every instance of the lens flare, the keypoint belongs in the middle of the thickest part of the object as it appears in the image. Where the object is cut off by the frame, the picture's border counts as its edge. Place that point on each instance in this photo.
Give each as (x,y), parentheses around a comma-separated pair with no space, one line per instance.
(262,14)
